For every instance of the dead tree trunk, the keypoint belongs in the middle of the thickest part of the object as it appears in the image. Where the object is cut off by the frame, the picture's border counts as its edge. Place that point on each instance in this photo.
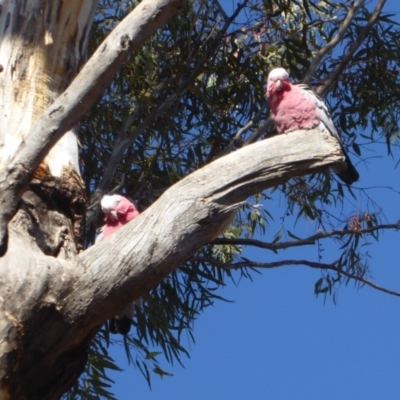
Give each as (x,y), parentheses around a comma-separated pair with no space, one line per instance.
(42,49)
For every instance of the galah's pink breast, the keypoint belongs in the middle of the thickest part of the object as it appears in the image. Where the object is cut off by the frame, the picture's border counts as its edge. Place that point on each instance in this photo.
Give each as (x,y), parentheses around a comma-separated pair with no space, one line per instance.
(112,225)
(293,111)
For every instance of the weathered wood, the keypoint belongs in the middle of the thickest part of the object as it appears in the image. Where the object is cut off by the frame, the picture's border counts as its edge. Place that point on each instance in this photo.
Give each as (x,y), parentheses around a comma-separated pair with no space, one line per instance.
(66,302)
(42,49)
(170,231)
(77,100)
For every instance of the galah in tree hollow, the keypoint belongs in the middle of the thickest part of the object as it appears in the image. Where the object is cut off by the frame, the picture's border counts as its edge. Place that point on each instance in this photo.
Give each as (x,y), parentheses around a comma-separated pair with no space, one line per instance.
(118,211)
(296,107)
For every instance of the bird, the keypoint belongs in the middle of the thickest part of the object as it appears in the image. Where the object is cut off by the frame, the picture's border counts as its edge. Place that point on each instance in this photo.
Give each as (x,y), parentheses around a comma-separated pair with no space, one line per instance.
(295,107)
(118,211)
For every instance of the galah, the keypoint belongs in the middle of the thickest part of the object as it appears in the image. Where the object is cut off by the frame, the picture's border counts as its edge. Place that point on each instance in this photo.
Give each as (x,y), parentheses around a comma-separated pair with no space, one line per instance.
(297,107)
(118,211)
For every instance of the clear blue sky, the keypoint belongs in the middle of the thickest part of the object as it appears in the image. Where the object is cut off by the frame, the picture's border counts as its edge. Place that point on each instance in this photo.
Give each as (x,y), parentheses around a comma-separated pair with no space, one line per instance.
(277,341)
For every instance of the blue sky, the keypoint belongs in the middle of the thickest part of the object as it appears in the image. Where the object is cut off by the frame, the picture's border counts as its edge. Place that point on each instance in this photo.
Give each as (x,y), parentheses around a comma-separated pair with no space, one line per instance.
(277,341)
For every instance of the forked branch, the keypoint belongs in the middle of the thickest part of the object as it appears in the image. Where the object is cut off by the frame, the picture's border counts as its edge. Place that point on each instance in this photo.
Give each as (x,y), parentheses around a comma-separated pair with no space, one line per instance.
(71,106)
(311,240)
(285,263)
(354,8)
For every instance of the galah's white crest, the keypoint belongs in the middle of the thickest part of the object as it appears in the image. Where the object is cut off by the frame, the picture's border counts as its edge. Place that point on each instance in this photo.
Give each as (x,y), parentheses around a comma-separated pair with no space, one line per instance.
(296,107)
(118,211)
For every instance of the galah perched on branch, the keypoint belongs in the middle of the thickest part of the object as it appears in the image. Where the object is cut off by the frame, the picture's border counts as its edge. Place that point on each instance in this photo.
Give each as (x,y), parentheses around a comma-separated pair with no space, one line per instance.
(118,211)
(296,107)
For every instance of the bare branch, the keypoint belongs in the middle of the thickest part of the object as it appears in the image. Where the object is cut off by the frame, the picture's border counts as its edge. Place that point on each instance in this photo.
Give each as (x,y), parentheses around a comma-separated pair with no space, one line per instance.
(332,78)
(315,265)
(303,242)
(268,126)
(334,42)
(240,132)
(75,102)
(220,9)
(207,199)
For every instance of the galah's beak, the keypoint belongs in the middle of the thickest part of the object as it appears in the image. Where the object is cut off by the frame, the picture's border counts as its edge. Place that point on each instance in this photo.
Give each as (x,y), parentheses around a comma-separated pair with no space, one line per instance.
(278,85)
(110,213)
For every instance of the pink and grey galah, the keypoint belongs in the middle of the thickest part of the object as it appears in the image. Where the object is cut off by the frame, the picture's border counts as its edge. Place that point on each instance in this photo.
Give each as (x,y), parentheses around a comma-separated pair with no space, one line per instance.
(296,107)
(118,211)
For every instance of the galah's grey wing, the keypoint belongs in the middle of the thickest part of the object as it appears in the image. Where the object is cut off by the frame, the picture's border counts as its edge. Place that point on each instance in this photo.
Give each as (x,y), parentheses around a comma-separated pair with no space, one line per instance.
(345,171)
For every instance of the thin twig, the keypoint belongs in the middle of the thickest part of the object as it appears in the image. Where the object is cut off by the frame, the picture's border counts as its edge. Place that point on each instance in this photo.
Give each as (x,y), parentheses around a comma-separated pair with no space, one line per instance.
(332,78)
(267,127)
(241,131)
(220,9)
(306,263)
(302,242)
(334,42)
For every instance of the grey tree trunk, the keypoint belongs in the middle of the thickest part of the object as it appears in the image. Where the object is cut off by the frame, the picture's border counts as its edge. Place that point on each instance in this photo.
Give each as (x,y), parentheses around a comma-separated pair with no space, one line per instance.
(53,296)
(42,49)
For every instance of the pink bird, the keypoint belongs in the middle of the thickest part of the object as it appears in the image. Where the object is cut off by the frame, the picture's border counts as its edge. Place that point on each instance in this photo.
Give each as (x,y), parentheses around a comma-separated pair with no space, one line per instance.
(296,107)
(118,211)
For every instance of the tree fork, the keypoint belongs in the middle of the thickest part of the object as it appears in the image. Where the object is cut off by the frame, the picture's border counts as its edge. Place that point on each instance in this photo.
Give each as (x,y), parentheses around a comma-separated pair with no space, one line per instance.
(45,122)
(52,308)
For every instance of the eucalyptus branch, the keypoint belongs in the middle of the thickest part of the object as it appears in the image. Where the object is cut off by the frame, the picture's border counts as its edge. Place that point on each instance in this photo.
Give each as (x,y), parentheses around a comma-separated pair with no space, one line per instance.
(333,76)
(208,200)
(72,105)
(285,263)
(241,131)
(334,42)
(267,127)
(220,9)
(311,240)
(123,142)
